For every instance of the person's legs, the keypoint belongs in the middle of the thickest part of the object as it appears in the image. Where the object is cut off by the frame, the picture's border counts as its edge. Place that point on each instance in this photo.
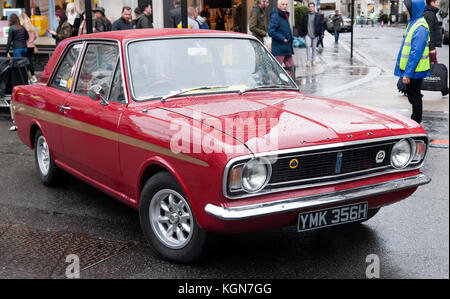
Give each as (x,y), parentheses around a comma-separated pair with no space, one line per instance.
(30,66)
(314,49)
(20,52)
(336,35)
(415,98)
(308,41)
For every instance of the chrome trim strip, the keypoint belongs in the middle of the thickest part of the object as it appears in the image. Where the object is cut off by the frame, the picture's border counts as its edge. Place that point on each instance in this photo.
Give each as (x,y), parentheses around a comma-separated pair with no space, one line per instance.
(315,148)
(315,201)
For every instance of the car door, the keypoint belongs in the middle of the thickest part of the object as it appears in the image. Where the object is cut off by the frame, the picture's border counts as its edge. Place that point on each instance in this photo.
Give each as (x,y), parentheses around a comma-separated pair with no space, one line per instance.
(91,142)
(60,86)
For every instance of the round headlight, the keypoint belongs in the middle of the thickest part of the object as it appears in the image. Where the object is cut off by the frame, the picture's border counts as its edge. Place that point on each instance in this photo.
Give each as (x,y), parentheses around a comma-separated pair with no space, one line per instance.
(402,153)
(255,175)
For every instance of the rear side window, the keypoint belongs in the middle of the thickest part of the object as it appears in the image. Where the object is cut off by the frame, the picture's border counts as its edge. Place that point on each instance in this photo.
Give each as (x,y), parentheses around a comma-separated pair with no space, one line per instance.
(64,75)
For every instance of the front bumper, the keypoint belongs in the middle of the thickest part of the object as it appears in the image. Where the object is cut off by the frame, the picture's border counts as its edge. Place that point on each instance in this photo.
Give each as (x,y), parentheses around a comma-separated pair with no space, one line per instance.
(315,201)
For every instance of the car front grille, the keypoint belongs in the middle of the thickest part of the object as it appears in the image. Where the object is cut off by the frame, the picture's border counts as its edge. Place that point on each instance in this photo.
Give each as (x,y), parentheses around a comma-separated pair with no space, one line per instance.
(323,165)
(331,164)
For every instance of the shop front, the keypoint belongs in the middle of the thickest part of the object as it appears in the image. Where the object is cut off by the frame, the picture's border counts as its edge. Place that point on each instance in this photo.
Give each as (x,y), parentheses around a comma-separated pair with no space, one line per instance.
(235,13)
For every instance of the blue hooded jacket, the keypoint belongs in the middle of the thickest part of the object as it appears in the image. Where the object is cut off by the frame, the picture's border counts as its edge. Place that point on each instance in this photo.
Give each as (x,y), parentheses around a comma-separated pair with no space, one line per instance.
(279,29)
(418,44)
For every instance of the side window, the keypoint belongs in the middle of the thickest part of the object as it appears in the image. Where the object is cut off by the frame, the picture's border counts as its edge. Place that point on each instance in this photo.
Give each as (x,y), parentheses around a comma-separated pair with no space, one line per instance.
(64,75)
(117,94)
(98,68)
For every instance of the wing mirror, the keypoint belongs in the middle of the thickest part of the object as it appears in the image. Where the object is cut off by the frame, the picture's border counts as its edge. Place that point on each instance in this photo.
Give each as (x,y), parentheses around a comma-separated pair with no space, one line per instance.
(97,94)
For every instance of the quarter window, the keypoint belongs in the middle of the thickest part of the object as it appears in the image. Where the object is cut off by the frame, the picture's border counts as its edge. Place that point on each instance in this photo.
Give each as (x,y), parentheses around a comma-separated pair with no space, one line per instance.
(98,68)
(117,94)
(64,75)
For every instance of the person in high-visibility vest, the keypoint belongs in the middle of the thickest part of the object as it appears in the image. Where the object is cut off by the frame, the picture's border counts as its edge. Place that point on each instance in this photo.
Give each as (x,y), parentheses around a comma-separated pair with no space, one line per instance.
(413,62)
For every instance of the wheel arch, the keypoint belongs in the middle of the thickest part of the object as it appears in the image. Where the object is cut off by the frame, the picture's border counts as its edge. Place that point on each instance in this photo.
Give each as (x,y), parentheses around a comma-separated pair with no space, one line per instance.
(152,167)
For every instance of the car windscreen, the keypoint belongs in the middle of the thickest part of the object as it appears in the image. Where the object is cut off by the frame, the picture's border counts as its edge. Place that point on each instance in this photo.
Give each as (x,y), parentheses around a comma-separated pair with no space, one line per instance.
(161,67)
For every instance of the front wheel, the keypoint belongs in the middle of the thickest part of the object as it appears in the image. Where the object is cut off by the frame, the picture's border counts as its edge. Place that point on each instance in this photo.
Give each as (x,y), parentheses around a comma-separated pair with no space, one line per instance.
(168,222)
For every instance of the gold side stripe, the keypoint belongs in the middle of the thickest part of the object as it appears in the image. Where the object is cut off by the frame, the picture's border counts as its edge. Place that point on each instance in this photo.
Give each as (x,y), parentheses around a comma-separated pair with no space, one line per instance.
(97,131)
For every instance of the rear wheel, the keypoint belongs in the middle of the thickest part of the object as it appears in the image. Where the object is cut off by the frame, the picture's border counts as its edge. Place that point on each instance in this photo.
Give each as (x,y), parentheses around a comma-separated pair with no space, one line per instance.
(50,174)
(168,222)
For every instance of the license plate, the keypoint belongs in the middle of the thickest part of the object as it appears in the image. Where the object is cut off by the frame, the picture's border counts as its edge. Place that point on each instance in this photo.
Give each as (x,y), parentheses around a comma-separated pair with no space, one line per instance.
(332,216)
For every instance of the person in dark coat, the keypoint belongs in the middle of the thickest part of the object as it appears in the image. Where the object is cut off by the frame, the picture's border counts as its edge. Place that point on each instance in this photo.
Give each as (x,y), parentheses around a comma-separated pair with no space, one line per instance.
(257,21)
(145,20)
(431,10)
(17,37)
(220,19)
(124,22)
(102,24)
(281,34)
(175,14)
(311,30)
(64,30)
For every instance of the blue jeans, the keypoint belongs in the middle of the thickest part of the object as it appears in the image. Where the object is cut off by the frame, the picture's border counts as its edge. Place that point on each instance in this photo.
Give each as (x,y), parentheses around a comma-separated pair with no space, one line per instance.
(22,52)
(336,35)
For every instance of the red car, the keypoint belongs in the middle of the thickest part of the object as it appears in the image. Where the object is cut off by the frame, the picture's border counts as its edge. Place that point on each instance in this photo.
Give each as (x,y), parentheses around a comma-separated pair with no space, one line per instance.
(204,131)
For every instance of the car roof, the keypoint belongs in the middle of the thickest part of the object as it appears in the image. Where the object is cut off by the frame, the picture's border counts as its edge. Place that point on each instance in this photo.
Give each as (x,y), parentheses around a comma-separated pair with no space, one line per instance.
(125,35)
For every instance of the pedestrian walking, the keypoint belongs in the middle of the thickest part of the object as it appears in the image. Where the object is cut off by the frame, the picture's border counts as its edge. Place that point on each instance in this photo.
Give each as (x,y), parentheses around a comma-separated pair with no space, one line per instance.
(324,26)
(282,38)
(206,14)
(192,16)
(32,36)
(124,22)
(431,9)
(83,29)
(101,24)
(145,20)
(413,62)
(338,22)
(372,18)
(64,29)
(175,14)
(220,19)
(311,30)
(238,17)
(257,22)
(72,16)
(17,37)
(201,19)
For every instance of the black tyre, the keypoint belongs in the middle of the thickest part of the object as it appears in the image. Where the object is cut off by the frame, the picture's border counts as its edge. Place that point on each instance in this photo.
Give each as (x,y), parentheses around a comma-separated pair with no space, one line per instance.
(50,174)
(168,222)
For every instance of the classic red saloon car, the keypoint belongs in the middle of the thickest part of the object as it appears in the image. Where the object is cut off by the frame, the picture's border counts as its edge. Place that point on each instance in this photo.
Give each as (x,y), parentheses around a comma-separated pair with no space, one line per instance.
(204,132)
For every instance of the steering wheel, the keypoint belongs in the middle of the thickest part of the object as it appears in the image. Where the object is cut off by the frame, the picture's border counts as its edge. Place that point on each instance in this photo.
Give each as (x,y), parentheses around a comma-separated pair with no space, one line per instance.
(165,84)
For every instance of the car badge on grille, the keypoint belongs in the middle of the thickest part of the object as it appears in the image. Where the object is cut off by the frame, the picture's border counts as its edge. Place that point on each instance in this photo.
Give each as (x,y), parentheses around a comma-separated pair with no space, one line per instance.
(380,156)
(293,164)
(338,162)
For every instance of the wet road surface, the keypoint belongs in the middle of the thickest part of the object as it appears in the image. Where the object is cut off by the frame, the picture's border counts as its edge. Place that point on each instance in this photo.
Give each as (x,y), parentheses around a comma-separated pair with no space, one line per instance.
(46,224)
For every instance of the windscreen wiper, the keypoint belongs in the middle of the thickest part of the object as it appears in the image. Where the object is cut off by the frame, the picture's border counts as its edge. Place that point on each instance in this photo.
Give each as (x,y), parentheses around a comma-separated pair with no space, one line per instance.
(183,91)
(241,92)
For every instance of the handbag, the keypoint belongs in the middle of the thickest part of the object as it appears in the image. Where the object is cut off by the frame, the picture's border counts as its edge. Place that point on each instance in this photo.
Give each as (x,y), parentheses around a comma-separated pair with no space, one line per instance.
(437,81)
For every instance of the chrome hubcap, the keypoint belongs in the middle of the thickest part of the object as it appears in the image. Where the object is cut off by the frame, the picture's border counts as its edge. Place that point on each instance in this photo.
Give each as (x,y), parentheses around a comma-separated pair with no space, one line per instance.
(171,218)
(43,155)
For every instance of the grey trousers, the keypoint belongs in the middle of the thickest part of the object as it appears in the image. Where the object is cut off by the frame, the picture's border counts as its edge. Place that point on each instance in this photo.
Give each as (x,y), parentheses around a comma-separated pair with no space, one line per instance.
(311,48)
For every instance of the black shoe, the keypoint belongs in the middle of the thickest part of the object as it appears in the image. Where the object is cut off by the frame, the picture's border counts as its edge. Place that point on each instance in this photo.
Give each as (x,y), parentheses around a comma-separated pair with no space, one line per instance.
(444,93)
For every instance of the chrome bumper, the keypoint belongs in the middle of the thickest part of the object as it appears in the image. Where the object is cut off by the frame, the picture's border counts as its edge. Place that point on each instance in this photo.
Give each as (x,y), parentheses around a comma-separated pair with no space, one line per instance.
(314,201)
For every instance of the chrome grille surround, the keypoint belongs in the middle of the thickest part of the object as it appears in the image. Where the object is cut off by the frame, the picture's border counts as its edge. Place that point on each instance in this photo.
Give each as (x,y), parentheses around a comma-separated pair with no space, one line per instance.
(273,187)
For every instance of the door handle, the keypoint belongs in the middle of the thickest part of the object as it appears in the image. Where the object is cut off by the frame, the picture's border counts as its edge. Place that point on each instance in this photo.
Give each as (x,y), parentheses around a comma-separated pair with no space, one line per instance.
(63,108)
